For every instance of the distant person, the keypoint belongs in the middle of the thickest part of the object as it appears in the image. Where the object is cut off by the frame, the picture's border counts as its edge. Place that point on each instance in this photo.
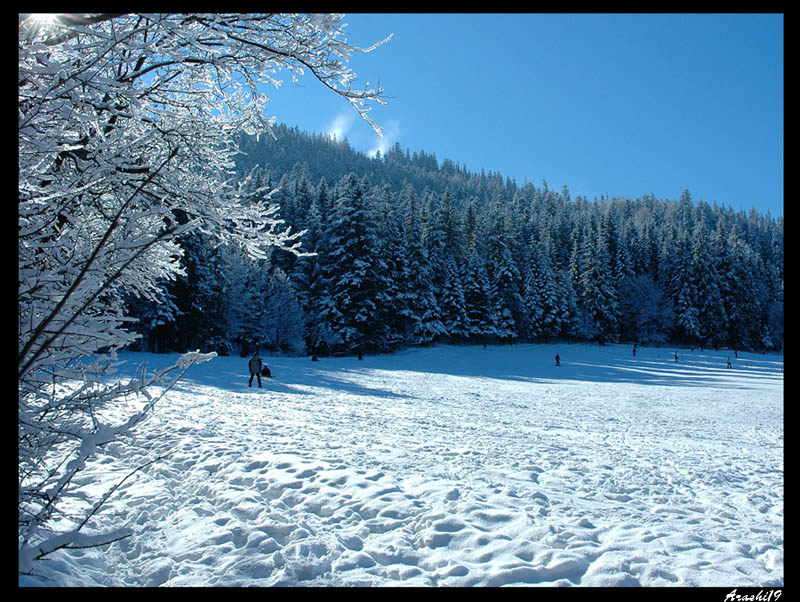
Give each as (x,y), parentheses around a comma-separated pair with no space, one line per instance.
(729,361)
(558,360)
(255,366)
(676,356)
(634,350)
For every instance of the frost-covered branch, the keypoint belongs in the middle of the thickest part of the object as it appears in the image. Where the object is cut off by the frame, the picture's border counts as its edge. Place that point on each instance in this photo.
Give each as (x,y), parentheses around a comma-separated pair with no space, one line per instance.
(26,359)
(47,481)
(127,129)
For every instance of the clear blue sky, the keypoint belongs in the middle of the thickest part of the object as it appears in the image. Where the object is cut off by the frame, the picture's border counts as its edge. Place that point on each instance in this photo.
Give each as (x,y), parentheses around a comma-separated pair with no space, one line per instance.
(606,104)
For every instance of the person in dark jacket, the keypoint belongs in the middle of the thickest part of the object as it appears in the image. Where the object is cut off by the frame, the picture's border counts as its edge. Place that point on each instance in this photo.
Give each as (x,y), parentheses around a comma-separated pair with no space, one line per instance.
(255,368)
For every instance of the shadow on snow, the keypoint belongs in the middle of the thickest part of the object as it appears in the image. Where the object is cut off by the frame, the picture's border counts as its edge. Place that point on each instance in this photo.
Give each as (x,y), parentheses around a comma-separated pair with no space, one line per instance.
(523,362)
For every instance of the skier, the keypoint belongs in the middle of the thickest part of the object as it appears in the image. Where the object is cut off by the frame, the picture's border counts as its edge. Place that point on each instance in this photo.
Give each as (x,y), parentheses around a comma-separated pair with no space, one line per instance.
(255,368)
(558,360)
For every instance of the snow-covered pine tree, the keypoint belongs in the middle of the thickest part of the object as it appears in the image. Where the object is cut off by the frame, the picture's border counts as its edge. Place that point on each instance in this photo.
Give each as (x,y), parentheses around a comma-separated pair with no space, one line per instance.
(394,296)
(505,294)
(531,326)
(283,197)
(774,276)
(282,321)
(293,195)
(740,294)
(306,275)
(303,193)
(504,276)
(597,295)
(201,323)
(453,304)
(477,295)
(324,202)
(569,313)
(676,265)
(355,274)
(452,226)
(541,296)
(647,316)
(309,277)
(433,239)
(245,285)
(421,311)
(470,227)
(713,322)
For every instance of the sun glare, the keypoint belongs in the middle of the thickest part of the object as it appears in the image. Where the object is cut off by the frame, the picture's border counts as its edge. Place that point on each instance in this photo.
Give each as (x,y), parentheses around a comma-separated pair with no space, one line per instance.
(44,18)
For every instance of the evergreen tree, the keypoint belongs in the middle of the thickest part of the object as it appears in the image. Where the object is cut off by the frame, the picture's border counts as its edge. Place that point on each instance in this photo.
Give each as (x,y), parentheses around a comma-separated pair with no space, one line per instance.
(453,303)
(570,315)
(647,316)
(394,297)
(506,297)
(421,311)
(199,297)
(303,194)
(355,272)
(477,296)
(677,275)
(741,296)
(433,240)
(504,277)
(543,308)
(244,285)
(282,321)
(283,196)
(713,322)
(324,202)
(597,294)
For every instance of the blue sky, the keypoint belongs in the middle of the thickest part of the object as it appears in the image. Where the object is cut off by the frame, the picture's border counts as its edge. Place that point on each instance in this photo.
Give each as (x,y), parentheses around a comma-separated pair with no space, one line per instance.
(606,104)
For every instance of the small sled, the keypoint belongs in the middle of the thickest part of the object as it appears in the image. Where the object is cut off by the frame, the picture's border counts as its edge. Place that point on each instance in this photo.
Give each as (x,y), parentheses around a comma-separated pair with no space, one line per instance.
(265,371)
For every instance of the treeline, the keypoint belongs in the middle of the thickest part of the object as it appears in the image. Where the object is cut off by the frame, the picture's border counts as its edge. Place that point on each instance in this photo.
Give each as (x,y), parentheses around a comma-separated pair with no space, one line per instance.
(403,251)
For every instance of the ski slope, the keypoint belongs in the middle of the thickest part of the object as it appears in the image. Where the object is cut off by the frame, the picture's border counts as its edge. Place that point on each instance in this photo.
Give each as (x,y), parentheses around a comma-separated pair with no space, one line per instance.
(452,466)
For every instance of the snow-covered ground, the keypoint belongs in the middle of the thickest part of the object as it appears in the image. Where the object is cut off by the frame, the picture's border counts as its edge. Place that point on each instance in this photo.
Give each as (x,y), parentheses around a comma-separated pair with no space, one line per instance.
(455,466)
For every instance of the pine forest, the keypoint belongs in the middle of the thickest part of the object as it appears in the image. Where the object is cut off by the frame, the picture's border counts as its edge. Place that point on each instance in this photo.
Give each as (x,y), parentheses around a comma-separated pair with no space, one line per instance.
(399,250)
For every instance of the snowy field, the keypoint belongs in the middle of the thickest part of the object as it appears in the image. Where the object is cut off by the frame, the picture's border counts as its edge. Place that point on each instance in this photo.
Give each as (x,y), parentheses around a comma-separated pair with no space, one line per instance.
(453,466)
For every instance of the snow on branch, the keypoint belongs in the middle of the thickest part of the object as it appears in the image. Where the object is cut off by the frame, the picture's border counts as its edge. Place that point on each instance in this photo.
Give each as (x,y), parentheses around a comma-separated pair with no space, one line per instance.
(127,129)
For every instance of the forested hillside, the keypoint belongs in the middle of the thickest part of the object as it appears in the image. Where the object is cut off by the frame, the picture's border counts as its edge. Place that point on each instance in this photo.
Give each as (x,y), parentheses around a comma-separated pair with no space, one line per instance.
(405,250)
